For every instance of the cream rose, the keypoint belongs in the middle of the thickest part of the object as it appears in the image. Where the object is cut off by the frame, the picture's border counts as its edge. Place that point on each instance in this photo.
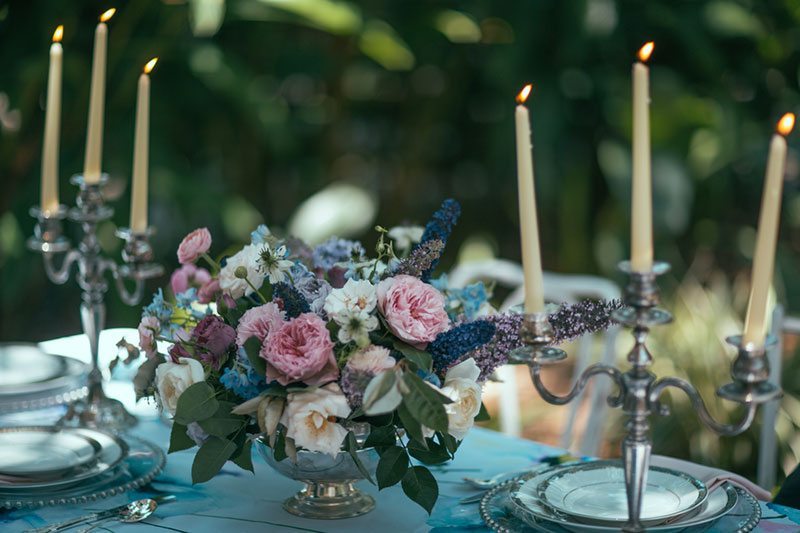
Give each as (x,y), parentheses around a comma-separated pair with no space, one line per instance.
(174,378)
(460,385)
(310,415)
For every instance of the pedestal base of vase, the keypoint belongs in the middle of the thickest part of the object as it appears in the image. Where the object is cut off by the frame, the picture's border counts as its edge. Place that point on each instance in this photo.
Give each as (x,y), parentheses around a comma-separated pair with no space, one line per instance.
(329,501)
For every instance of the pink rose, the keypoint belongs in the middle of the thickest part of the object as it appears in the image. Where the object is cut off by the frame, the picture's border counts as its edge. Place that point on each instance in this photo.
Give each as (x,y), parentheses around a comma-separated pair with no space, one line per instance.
(209,291)
(148,328)
(300,350)
(258,322)
(188,276)
(212,339)
(414,310)
(194,245)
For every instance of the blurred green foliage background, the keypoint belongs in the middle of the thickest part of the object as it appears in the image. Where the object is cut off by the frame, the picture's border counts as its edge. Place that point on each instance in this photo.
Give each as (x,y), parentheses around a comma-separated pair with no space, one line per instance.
(259,104)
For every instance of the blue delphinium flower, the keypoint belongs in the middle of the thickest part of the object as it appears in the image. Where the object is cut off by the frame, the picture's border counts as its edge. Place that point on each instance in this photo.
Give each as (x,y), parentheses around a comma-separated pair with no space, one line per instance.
(431,378)
(185,299)
(241,378)
(259,236)
(336,250)
(294,304)
(466,301)
(158,308)
(448,347)
(439,227)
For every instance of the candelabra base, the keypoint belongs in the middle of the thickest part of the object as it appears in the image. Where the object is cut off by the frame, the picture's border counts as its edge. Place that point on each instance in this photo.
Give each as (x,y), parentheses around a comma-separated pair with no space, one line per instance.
(99,411)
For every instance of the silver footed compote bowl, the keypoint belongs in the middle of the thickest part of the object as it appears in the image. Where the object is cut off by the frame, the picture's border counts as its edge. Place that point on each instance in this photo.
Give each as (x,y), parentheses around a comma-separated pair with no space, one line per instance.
(96,410)
(329,491)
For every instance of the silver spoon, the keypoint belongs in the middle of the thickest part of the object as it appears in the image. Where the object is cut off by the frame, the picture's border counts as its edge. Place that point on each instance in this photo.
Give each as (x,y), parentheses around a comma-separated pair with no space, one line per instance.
(487,483)
(134,512)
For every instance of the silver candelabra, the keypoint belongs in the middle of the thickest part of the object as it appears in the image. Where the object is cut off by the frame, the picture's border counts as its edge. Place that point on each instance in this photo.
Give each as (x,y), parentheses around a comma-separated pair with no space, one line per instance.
(639,391)
(97,410)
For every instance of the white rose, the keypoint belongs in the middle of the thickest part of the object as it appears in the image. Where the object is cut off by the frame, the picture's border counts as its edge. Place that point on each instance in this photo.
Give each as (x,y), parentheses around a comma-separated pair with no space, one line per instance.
(248,258)
(460,385)
(174,378)
(309,419)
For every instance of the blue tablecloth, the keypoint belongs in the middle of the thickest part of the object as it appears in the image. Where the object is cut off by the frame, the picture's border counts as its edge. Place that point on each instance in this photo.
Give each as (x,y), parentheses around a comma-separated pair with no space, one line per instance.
(240,501)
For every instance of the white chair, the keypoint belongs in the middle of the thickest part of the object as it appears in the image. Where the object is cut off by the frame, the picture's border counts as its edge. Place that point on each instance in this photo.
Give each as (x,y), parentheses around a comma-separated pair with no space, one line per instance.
(557,288)
(768,438)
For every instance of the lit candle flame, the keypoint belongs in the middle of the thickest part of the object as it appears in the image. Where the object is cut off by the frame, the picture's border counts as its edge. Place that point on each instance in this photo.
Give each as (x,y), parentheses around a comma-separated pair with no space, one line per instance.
(646,50)
(785,124)
(58,34)
(148,68)
(106,16)
(524,94)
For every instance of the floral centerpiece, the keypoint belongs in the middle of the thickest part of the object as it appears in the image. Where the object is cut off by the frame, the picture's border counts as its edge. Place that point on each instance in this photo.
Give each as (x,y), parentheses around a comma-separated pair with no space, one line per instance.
(294,347)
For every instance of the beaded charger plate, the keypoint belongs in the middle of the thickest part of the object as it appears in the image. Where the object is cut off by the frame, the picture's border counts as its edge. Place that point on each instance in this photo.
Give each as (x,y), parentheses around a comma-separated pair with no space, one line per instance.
(498,513)
(144,462)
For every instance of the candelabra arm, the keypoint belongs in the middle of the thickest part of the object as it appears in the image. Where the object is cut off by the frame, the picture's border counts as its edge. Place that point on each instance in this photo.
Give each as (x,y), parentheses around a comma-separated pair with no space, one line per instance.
(699,406)
(60,275)
(128,297)
(593,370)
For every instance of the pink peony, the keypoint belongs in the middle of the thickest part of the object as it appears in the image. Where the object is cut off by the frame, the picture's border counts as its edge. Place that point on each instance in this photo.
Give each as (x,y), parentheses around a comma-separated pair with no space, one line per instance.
(300,350)
(414,310)
(258,322)
(148,328)
(209,291)
(188,276)
(194,245)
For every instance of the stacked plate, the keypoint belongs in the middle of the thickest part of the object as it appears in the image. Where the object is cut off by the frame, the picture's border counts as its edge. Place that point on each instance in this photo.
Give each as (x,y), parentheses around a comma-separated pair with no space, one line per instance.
(31,379)
(591,497)
(48,465)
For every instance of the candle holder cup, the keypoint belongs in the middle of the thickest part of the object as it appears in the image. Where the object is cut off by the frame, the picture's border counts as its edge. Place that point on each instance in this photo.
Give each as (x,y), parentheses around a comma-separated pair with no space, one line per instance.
(97,410)
(639,390)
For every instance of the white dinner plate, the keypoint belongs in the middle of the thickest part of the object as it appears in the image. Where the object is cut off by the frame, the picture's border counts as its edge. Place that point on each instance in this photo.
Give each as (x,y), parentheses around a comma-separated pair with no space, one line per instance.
(594,493)
(41,452)
(111,450)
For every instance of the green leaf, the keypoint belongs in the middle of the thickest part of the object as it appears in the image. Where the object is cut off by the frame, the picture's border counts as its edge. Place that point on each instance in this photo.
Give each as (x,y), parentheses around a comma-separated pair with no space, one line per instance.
(422,359)
(425,403)
(178,439)
(483,414)
(223,423)
(380,436)
(412,427)
(392,466)
(197,402)
(420,485)
(385,419)
(210,458)
(377,399)
(245,458)
(351,446)
(279,449)
(449,442)
(251,347)
(435,453)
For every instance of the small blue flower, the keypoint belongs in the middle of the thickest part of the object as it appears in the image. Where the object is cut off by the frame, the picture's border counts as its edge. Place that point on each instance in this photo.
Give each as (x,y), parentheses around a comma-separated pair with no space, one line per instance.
(238,382)
(431,378)
(336,250)
(259,236)
(158,308)
(185,299)
(293,301)
(472,297)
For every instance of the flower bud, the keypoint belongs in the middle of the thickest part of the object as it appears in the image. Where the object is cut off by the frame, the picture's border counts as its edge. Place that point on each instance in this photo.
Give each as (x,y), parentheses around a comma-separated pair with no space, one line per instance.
(240,272)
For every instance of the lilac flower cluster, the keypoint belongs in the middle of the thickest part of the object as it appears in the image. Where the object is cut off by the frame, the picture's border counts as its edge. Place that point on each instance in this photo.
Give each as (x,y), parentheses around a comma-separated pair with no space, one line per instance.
(421,260)
(569,322)
(353,384)
(312,288)
(336,250)
(294,303)
(448,347)
(438,228)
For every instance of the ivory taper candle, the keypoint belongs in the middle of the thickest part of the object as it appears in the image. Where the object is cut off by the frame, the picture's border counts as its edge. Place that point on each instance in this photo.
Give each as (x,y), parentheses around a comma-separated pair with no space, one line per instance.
(528,225)
(641,193)
(141,148)
(92,163)
(48,202)
(768,223)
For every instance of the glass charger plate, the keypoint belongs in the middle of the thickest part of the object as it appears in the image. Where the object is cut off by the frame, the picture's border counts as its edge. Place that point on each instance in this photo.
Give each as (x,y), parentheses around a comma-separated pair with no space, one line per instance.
(111,451)
(47,380)
(144,462)
(594,493)
(496,511)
